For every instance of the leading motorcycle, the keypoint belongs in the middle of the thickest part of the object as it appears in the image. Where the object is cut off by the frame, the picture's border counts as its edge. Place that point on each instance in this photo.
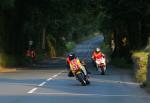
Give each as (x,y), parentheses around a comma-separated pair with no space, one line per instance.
(81,75)
(82,78)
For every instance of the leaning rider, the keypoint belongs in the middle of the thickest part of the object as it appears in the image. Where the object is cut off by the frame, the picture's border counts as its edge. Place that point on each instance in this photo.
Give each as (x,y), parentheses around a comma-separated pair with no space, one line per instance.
(70,74)
(74,63)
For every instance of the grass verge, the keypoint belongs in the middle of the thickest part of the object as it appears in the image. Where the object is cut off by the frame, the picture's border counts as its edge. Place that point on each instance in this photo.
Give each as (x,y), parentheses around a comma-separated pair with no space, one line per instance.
(6,70)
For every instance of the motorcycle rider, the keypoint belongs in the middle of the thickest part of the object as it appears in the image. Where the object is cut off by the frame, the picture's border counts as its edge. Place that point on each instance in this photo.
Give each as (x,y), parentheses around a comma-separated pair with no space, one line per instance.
(97,54)
(72,61)
(70,74)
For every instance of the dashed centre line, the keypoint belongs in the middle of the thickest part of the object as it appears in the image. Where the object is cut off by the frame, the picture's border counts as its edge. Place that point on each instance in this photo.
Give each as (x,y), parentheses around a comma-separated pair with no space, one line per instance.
(32,90)
(49,79)
(54,76)
(43,83)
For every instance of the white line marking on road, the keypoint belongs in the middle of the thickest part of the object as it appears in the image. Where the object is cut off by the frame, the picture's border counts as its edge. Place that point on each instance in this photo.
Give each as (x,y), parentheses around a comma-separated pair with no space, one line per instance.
(60,73)
(49,79)
(57,74)
(32,90)
(42,84)
(54,76)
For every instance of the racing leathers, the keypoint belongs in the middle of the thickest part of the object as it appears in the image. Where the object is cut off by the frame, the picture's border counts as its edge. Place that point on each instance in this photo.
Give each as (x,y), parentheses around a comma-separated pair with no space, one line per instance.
(96,55)
(75,65)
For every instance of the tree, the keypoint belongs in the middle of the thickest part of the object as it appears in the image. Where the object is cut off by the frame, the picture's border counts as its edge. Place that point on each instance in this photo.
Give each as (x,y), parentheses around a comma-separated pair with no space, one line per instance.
(125,19)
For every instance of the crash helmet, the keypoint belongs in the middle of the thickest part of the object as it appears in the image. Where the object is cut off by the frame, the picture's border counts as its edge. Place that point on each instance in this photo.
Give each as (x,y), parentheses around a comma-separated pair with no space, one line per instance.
(98,50)
(71,56)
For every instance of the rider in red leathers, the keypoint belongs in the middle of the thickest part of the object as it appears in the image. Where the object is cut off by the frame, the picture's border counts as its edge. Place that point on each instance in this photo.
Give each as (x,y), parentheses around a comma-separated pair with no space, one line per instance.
(97,54)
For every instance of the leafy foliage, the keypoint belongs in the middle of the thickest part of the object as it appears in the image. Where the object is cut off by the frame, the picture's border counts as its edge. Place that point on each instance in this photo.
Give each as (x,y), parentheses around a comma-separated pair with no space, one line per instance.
(50,24)
(140,65)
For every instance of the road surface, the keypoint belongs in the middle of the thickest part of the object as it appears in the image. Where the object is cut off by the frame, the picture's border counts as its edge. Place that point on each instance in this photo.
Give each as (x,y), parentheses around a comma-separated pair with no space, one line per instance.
(50,84)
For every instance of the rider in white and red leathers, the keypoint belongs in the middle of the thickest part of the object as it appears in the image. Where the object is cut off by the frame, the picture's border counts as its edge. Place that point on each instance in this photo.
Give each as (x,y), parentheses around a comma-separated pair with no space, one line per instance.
(97,54)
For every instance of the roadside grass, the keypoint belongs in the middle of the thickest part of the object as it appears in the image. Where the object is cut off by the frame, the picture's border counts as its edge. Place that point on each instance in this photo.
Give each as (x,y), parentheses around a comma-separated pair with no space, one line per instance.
(6,70)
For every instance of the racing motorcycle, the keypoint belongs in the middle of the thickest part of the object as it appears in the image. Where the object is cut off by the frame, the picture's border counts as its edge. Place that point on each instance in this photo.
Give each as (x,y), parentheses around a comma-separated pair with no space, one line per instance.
(82,78)
(83,62)
(101,65)
(81,75)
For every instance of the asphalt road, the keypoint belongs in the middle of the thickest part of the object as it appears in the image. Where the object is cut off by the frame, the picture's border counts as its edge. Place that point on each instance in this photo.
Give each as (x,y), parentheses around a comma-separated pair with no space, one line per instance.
(51,84)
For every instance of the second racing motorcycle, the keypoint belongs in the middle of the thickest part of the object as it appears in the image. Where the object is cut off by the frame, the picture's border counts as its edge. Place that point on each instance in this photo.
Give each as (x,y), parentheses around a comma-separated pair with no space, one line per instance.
(101,65)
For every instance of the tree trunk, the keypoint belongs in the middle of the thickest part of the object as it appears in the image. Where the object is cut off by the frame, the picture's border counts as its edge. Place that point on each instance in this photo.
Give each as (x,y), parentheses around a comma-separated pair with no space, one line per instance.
(116,43)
